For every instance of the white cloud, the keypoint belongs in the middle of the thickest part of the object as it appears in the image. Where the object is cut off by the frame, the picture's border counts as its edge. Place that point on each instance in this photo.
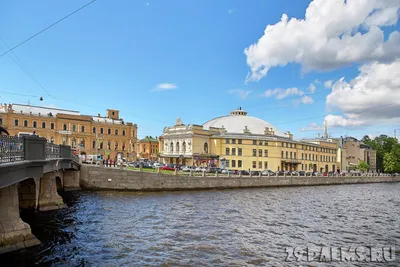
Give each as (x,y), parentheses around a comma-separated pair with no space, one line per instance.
(372,98)
(312,88)
(243,94)
(280,93)
(312,127)
(165,87)
(307,100)
(333,34)
(317,81)
(328,84)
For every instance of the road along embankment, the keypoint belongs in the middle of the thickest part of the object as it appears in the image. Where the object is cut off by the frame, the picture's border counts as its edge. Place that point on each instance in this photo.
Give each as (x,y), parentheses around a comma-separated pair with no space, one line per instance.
(95,178)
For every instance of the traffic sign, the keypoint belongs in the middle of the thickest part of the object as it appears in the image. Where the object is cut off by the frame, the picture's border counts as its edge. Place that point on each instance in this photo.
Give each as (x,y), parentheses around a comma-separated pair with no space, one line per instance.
(107,151)
(99,140)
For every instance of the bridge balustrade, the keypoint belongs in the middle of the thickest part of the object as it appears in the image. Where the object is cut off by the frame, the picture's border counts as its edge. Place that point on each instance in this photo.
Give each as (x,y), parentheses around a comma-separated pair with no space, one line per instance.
(11,149)
(52,151)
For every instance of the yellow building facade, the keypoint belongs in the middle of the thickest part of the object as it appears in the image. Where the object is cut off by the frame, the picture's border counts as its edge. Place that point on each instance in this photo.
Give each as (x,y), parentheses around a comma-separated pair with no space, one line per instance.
(242,142)
(89,135)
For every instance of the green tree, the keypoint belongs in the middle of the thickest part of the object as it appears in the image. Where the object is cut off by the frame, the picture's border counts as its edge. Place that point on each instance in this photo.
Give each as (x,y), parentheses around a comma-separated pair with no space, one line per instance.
(391,163)
(363,166)
(382,144)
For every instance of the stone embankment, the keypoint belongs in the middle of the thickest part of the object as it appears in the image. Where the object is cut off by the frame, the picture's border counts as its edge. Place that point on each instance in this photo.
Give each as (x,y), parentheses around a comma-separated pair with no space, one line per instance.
(95,178)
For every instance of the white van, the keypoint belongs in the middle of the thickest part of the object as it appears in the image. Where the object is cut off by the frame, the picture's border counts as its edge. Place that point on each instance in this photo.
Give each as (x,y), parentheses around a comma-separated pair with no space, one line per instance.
(22,134)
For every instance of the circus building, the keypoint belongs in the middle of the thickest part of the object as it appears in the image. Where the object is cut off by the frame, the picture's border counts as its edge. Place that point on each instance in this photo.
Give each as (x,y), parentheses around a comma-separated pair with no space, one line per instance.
(242,142)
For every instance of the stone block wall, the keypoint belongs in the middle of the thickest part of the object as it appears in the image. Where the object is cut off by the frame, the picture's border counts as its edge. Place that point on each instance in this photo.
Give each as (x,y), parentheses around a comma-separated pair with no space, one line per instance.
(94,178)
(71,180)
(49,199)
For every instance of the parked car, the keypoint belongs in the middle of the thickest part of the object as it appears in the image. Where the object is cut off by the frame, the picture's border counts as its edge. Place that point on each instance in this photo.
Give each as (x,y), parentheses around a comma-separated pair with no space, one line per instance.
(255,173)
(302,173)
(158,165)
(213,170)
(244,173)
(200,169)
(295,173)
(317,174)
(268,173)
(168,168)
(280,173)
(225,171)
(187,169)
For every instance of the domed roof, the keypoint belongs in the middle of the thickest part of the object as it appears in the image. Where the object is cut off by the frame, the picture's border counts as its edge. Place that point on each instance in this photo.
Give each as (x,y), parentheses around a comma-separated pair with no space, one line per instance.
(238,121)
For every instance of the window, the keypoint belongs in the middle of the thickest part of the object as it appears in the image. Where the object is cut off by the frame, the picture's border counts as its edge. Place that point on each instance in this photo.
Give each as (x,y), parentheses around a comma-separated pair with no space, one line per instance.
(313,157)
(305,166)
(116,146)
(265,152)
(109,145)
(1,120)
(227,151)
(254,164)
(254,152)
(283,144)
(123,132)
(183,147)
(265,143)
(260,142)
(239,141)
(302,166)
(227,163)
(227,141)
(177,147)
(101,145)
(233,151)
(116,131)
(294,145)
(73,143)
(25,123)
(73,127)
(101,130)
(266,165)
(302,156)
(290,154)
(260,164)
(233,141)
(206,148)
(260,152)
(309,156)
(320,158)
(65,127)
(239,151)
(295,156)
(287,144)
(94,130)
(82,129)
(15,122)
(233,163)
(286,154)
(34,124)
(109,131)
(113,113)
(291,145)
(83,143)
(239,164)
(254,142)
(171,147)
(133,133)
(43,125)
(52,125)
(282,155)
(94,144)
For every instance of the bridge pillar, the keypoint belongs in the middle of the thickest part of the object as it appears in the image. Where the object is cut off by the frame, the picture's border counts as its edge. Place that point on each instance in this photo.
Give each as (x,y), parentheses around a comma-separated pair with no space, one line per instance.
(71,180)
(14,233)
(49,199)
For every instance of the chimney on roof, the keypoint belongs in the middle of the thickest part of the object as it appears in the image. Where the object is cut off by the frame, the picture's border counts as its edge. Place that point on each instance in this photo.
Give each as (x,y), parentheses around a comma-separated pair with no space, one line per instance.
(98,115)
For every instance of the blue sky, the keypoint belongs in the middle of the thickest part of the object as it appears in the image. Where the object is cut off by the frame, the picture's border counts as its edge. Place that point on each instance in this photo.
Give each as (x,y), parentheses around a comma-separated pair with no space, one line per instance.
(115,54)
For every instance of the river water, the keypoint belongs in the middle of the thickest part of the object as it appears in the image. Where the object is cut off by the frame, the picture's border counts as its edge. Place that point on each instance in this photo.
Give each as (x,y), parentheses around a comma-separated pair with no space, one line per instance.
(243,227)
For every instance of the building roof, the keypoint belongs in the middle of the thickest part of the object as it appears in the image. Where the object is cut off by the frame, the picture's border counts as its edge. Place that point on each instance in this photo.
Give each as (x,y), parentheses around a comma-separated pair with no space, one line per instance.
(238,121)
(149,139)
(28,109)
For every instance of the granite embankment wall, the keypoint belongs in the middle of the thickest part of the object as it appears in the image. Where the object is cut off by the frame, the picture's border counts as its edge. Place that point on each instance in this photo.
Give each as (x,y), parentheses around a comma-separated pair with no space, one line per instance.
(95,178)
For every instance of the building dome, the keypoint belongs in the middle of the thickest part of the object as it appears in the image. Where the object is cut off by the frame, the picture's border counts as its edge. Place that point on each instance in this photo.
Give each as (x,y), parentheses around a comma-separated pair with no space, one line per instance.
(239,122)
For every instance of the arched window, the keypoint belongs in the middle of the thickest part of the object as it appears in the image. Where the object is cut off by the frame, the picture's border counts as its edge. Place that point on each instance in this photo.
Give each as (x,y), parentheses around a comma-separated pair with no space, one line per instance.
(177,147)
(82,129)
(116,131)
(73,127)
(94,129)
(123,132)
(109,144)
(52,125)
(73,143)
(109,131)
(94,144)
(206,148)
(34,124)
(43,125)
(116,145)
(184,147)
(64,127)
(171,147)
(101,145)
(83,143)
(25,123)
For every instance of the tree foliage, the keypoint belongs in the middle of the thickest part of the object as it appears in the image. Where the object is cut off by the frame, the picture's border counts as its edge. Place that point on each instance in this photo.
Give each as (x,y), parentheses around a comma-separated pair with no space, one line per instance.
(363,166)
(391,163)
(383,144)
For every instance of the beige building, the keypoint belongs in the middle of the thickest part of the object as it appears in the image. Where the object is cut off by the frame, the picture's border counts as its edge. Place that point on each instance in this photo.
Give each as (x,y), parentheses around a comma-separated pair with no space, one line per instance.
(242,142)
(356,151)
(147,148)
(107,135)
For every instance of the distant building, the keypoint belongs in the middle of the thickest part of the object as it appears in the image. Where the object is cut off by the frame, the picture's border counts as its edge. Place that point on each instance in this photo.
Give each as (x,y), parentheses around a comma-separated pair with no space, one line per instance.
(356,151)
(148,148)
(88,135)
(242,142)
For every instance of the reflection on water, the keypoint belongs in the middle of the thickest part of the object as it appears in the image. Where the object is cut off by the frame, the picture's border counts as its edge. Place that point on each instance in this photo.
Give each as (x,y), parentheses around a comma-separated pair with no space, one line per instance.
(247,227)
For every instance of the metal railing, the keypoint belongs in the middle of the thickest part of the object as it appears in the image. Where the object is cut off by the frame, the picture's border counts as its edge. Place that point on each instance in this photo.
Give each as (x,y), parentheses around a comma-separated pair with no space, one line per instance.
(74,157)
(11,149)
(52,151)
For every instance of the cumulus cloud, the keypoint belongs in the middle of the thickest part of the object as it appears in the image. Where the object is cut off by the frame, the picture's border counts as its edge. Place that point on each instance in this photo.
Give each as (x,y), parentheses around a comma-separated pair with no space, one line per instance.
(307,100)
(243,94)
(328,84)
(165,87)
(371,98)
(280,93)
(312,127)
(312,88)
(333,34)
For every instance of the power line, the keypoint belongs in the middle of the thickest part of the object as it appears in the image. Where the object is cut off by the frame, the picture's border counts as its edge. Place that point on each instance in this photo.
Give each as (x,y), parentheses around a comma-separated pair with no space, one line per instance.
(48,27)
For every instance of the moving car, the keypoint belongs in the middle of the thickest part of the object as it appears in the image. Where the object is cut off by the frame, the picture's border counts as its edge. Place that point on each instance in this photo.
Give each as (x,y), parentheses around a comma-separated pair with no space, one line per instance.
(168,168)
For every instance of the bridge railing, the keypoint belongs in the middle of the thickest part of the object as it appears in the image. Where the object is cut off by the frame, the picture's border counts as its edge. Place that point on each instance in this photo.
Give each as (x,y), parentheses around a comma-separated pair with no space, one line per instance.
(52,151)
(11,149)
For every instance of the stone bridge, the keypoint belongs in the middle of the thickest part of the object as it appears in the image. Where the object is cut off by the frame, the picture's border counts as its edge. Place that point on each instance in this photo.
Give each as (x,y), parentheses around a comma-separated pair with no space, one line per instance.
(32,172)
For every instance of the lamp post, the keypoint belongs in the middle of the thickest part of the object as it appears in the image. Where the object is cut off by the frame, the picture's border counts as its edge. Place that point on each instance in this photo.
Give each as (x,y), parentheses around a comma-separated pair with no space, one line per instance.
(223,161)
